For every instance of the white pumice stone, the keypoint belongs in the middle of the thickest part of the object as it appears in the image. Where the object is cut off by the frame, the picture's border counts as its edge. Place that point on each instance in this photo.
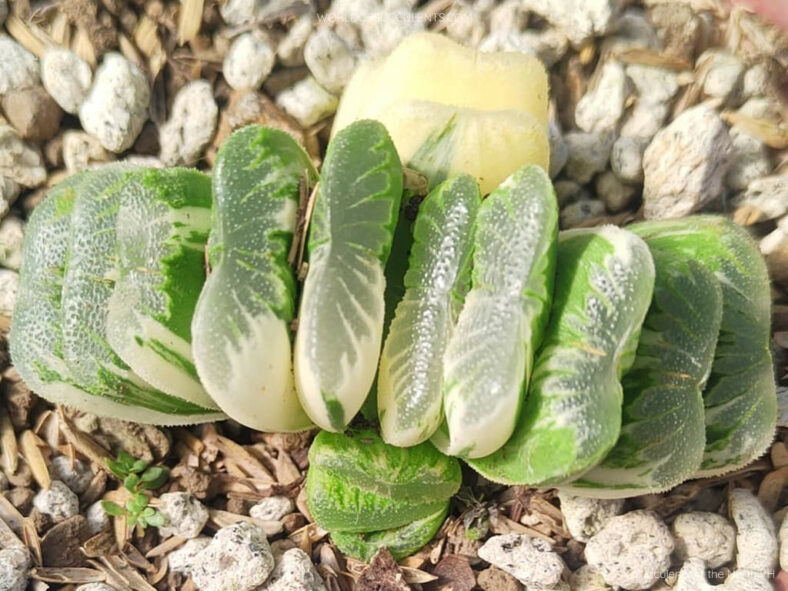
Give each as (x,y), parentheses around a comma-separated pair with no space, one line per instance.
(559,149)
(530,560)
(116,107)
(291,48)
(20,161)
(294,571)
(631,550)
(237,559)
(602,105)
(183,560)
(756,81)
(550,45)
(382,30)
(685,165)
(81,150)
(768,195)
(588,154)
(724,73)
(626,158)
(747,580)
(76,476)
(749,160)
(756,538)
(616,196)
(587,579)
(784,543)
(97,518)
(18,67)
(307,101)
(692,577)
(272,508)
(12,235)
(58,501)
(9,191)
(582,210)
(703,535)
(578,19)
(191,125)
(9,283)
(249,62)
(66,77)
(14,563)
(329,59)
(184,516)
(585,517)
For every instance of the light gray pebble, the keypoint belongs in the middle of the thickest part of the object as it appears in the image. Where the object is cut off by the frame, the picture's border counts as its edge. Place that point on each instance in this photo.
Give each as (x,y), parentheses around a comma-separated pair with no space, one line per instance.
(238,12)
(191,125)
(81,150)
(505,41)
(184,515)
(382,30)
(530,560)
(9,191)
(760,107)
(588,154)
(747,580)
(20,161)
(249,61)
(307,101)
(724,73)
(578,19)
(756,81)
(644,119)
(95,587)
(183,559)
(117,106)
(559,149)
(58,501)
(587,579)
(653,84)
(626,158)
(12,234)
(272,508)
(14,563)
(550,45)
(97,519)
(577,213)
(601,107)
(9,284)
(756,538)
(567,192)
(774,248)
(749,160)
(237,559)
(784,543)
(692,577)
(631,550)
(294,571)
(466,23)
(18,68)
(708,536)
(66,77)
(291,48)
(631,29)
(509,15)
(684,167)
(77,477)
(585,516)
(353,12)
(330,60)
(616,196)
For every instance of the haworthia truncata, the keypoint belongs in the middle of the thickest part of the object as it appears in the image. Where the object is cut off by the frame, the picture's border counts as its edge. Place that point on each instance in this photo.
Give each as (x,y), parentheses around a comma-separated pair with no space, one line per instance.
(241,325)
(490,353)
(340,323)
(410,381)
(740,397)
(572,415)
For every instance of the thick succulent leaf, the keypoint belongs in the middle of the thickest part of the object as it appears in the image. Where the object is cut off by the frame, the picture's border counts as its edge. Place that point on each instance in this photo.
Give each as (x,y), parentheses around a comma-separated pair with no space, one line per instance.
(572,415)
(36,337)
(410,380)
(740,397)
(489,356)
(358,483)
(342,306)
(162,228)
(662,432)
(361,457)
(90,273)
(241,325)
(401,541)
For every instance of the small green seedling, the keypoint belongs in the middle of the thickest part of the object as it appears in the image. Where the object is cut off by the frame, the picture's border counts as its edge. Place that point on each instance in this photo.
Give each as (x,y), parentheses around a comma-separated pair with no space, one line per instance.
(137,476)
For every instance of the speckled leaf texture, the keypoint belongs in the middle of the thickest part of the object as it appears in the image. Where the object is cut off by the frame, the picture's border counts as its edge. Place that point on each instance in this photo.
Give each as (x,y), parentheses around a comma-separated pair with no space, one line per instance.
(489,356)
(410,380)
(663,431)
(36,338)
(162,228)
(572,414)
(357,483)
(340,323)
(241,325)
(90,273)
(740,397)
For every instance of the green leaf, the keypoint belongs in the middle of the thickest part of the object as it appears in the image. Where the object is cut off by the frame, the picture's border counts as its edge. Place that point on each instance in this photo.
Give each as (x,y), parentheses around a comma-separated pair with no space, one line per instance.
(139,466)
(489,356)
(244,311)
(155,476)
(572,415)
(342,306)
(131,481)
(410,380)
(113,509)
(155,520)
